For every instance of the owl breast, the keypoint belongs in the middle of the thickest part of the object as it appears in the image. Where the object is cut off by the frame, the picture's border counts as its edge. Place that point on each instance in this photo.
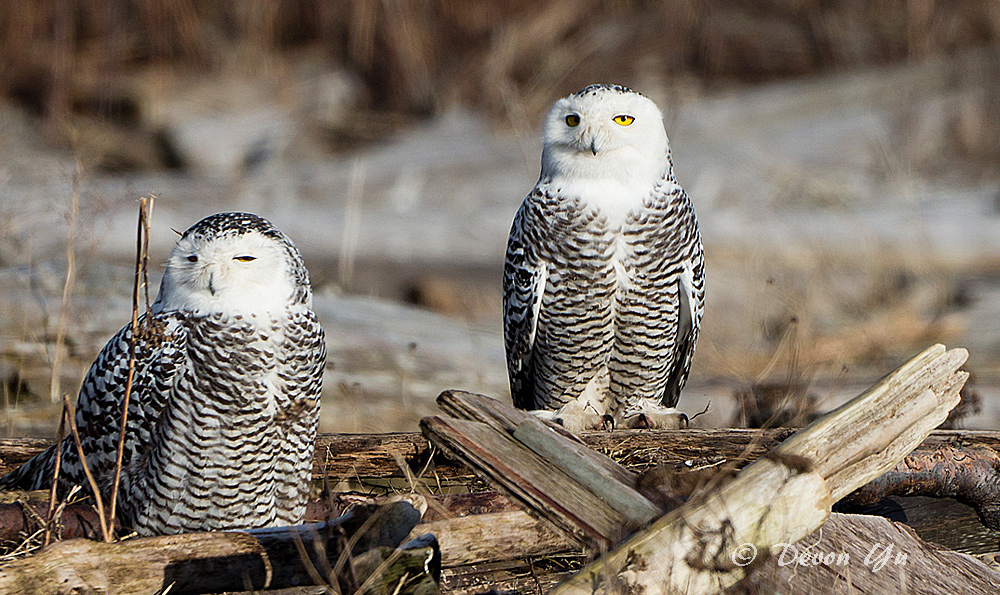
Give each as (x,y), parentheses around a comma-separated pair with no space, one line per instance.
(233,447)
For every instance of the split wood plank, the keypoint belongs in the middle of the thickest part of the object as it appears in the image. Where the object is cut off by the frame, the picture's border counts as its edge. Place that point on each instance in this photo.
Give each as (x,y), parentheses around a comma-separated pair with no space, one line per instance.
(504,418)
(529,478)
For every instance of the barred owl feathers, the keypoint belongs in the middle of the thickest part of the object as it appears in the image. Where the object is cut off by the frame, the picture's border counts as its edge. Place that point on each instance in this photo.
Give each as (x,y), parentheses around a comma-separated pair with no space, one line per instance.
(604,274)
(225,399)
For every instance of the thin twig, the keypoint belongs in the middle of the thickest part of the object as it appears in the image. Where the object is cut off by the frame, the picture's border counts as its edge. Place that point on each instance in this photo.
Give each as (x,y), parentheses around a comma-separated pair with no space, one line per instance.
(55,476)
(145,247)
(86,469)
(141,259)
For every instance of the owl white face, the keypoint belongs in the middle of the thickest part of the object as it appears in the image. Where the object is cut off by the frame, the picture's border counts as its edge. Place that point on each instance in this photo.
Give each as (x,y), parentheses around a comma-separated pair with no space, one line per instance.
(605,133)
(245,273)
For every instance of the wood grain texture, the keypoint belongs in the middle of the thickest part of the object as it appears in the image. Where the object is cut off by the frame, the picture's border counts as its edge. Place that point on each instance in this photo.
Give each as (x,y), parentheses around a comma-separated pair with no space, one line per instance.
(530,479)
(494,537)
(196,563)
(862,554)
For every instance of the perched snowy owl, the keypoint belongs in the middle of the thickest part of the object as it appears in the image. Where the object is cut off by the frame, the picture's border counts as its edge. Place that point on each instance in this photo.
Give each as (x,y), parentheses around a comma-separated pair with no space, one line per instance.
(604,281)
(225,398)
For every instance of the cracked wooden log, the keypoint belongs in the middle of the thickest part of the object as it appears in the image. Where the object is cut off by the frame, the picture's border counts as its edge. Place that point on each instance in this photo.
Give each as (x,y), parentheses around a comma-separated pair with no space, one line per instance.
(343,552)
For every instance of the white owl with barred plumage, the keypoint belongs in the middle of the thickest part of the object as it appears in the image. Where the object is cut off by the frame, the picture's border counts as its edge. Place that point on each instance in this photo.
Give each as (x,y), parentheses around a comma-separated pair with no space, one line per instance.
(225,400)
(604,280)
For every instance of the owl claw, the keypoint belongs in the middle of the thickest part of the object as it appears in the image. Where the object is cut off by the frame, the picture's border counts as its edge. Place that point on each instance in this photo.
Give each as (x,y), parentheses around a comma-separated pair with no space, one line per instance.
(656,417)
(572,418)
(608,422)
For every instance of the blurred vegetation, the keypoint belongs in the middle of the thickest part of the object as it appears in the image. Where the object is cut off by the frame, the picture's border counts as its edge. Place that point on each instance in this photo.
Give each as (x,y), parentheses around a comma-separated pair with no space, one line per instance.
(509,57)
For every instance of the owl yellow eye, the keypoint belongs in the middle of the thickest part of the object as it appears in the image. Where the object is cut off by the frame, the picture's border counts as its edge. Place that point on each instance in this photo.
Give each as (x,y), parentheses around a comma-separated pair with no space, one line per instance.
(572,120)
(245,258)
(623,119)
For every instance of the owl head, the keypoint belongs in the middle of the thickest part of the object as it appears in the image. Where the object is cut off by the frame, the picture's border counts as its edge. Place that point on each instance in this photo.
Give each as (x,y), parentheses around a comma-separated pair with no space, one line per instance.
(605,132)
(233,263)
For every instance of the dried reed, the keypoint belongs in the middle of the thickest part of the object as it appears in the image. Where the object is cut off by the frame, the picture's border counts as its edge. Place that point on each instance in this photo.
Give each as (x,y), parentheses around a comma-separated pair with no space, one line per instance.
(99,502)
(141,280)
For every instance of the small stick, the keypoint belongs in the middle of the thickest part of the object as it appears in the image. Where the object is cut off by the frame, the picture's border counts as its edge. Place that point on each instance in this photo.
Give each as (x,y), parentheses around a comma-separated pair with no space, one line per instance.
(55,477)
(86,469)
(141,258)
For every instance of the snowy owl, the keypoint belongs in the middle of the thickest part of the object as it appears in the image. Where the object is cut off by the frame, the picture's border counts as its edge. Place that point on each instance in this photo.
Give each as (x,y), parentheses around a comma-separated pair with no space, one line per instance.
(604,280)
(225,398)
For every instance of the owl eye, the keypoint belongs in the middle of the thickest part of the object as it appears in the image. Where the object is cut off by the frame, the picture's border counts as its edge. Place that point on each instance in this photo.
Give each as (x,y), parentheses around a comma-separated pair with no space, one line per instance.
(193,258)
(623,119)
(572,120)
(245,258)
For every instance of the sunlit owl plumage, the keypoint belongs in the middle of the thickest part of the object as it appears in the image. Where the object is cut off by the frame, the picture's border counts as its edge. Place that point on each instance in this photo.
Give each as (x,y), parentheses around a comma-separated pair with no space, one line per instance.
(604,280)
(225,398)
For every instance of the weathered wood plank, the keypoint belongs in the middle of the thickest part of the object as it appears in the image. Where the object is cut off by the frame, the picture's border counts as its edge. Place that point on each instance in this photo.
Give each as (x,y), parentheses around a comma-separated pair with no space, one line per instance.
(588,468)
(525,475)
(872,432)
(494,537)
(504,418)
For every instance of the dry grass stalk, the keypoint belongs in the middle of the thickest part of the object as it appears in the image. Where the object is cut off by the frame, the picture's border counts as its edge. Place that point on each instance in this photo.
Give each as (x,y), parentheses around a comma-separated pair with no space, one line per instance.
(141,279)
(55,477)
(86,469)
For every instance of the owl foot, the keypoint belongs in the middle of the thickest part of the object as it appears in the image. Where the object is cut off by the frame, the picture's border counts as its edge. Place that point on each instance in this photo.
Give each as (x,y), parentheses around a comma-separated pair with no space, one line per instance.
(608,421)
(573,418)
(654,416)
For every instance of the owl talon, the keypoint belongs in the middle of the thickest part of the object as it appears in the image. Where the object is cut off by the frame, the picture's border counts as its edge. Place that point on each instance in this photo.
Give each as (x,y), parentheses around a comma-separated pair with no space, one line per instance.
(651,416)
(608,422)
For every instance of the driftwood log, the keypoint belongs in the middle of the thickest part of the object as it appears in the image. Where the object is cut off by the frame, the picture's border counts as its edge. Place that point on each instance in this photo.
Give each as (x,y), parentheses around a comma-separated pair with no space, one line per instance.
(344,552)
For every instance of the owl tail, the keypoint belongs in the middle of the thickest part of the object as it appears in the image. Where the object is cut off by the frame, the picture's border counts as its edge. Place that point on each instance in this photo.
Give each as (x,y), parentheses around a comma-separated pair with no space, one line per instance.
(35,474)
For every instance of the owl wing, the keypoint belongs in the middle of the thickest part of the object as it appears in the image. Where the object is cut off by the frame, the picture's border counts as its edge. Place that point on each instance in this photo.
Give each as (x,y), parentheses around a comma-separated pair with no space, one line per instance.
(691,304)
(524,280)
(301,364)
(159,353)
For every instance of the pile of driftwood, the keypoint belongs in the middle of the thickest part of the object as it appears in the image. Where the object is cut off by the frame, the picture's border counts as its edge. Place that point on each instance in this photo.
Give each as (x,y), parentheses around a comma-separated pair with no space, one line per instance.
(674,511)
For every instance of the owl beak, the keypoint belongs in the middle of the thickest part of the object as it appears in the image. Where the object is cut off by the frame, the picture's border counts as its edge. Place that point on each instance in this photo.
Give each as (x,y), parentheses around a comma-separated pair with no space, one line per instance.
(590,140)
(211,283)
